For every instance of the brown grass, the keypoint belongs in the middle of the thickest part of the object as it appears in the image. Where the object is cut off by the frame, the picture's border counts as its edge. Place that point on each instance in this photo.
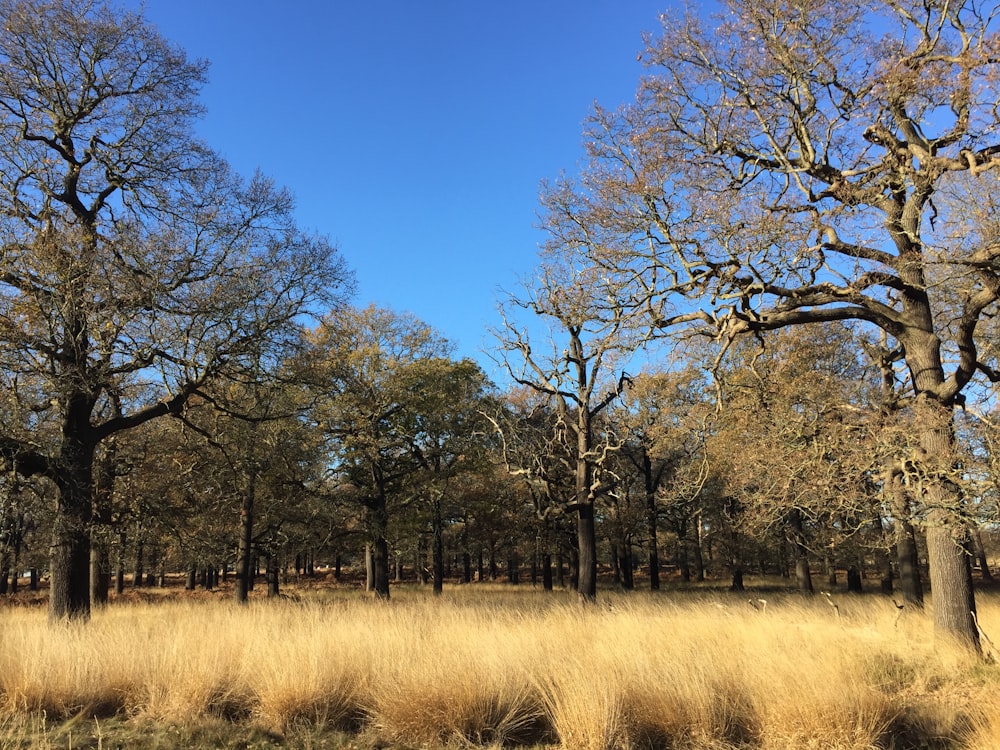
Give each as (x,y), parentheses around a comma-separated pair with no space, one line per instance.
(489,668)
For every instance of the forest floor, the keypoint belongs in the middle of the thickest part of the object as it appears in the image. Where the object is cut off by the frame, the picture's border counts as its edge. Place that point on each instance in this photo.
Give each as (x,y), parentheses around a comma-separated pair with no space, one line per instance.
(490,665)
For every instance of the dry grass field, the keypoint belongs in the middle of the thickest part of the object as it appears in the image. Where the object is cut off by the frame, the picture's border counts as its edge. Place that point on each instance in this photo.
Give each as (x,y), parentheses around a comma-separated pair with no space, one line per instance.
(493,667)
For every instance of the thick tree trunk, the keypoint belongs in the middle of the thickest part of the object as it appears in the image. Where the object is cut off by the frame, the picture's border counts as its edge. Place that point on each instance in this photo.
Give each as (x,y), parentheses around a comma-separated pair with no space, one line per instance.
(954,602)
(546,571)
(948,543)
(378,519)
(513,568)
(69,588)
(244,552)
(586,537)
(737,584)
(854,581)
(803,576)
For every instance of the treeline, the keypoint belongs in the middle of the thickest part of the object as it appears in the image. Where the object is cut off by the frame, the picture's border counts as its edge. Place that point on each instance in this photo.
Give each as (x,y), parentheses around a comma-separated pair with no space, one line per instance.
(374,450)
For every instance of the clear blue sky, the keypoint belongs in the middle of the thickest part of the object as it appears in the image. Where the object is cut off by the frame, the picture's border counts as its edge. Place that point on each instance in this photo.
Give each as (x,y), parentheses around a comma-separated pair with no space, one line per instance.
(413,133)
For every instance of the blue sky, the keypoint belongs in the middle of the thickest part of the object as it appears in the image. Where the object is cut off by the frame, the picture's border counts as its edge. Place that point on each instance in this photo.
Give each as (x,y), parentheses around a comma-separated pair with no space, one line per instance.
(413,133)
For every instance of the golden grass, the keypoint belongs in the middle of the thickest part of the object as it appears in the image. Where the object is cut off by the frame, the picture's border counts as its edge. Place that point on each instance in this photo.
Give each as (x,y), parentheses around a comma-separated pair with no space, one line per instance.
(492,668)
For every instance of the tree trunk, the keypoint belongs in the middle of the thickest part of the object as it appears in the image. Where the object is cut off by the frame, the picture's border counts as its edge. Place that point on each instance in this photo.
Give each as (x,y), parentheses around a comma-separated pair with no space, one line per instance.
(69,583)
(697,558)
(513,568)
(574,566)
(100,535)
(803,576)
(624,550)
(273,584)
(437,545)
(244,552)
(980,550)
(616,573)
(651,523)
(137,573)
(681,528)
(586,537)
(737,584)
(882,560)
(907,558)
(854,582)
(948,542)
(378,529)
(908,562)
(369,567)
(100,572)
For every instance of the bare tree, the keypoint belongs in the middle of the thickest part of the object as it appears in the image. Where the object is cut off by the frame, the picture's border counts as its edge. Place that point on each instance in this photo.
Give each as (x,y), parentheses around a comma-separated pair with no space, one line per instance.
(781,163)
(588,338)
(131,254)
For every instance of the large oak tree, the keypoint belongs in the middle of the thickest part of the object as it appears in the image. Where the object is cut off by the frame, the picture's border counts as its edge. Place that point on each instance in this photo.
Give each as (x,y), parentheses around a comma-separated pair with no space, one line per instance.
(130,253)
(783,163)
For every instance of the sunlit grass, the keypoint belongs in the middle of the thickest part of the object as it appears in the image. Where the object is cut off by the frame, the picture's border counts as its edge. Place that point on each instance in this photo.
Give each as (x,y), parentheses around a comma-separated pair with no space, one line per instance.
(499,667)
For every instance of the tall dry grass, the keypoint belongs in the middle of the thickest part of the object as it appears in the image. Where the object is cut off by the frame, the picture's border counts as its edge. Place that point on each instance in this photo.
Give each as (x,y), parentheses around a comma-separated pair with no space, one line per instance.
(498,668)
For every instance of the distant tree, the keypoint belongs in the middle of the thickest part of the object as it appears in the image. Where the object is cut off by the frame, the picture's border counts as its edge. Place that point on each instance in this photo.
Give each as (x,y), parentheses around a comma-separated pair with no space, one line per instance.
(369,371)
(662,420)
(798,428)
(448,440)
(131,254)
(578,370)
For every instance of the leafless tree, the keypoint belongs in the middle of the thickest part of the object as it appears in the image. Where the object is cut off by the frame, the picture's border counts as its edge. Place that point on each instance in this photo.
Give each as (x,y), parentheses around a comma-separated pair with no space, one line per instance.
(782,164)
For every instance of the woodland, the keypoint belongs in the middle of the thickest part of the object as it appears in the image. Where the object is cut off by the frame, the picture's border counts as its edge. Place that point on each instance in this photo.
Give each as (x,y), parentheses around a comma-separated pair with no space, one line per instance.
(760,340)
(757,356)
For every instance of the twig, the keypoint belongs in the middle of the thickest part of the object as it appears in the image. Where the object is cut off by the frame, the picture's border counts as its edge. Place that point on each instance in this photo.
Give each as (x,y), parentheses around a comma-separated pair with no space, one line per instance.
(899,613)
(991,648)
(829,600)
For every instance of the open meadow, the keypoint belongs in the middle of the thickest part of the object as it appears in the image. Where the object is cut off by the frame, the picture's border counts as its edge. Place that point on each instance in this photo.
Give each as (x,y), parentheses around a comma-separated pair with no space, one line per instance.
(491,666)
